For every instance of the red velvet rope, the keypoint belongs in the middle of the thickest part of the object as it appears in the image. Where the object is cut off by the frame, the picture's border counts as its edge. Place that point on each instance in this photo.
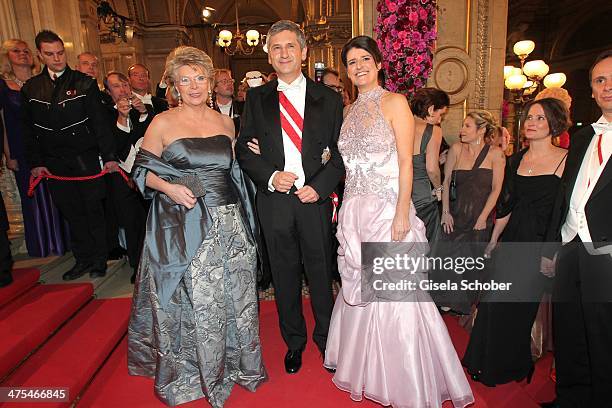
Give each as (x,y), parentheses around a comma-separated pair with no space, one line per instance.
(34,181)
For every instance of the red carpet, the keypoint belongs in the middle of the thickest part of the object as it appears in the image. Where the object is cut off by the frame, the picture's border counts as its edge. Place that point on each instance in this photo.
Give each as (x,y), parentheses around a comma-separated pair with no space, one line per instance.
(311,387)
(27,321)
(72,356)
(23,279)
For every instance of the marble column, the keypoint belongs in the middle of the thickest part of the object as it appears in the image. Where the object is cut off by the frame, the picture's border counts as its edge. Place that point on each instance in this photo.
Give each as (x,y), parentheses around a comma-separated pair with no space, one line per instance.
(469,58)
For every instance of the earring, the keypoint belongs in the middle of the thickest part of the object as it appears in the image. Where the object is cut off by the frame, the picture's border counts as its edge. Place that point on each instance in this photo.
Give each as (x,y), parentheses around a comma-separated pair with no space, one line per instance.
(180,100)
(478,141)
(210,100)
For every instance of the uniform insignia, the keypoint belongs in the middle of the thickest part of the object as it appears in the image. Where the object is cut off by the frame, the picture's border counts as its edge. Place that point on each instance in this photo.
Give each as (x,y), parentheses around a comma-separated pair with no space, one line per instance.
(325,156)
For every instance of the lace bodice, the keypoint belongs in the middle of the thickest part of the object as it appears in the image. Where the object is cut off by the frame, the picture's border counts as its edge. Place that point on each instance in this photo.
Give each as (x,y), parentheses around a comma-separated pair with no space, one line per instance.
(367,145)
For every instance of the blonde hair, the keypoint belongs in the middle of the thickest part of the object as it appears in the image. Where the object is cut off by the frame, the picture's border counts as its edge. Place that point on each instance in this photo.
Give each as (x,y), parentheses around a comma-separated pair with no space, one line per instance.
(556,93)
(485,119)
(192,57)
(6,69)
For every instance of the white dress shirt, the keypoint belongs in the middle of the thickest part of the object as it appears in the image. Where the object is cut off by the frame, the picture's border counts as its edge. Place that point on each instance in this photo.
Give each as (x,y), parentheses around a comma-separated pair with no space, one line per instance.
(57,74)
(146,98)
(296,93)
(588,175)
(226,109)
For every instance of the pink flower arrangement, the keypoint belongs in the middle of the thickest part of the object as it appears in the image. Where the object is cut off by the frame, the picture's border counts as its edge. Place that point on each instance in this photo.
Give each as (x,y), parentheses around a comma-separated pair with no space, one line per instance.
(406,35)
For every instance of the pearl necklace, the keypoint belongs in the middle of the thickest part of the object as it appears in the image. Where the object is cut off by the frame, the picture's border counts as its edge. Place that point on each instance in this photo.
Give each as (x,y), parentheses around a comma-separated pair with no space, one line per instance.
(18,81)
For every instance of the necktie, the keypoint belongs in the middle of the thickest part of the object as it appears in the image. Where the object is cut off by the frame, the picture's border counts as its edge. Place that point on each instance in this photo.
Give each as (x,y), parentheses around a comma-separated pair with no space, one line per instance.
(282,87)
(146,99)
(54,77)
(602,127)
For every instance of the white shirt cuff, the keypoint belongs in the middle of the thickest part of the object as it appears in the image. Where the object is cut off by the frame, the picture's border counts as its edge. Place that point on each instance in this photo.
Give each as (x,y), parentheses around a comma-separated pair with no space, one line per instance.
(143,117)
(124,128)
(270,185)
(163,85)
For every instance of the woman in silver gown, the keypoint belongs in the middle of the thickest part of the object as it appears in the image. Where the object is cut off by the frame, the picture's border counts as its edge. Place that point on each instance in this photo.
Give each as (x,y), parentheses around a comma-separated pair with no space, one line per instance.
(194,324)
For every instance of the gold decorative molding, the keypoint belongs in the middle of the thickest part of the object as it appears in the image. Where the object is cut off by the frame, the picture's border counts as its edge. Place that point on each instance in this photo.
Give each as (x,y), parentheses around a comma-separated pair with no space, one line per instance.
(482,55)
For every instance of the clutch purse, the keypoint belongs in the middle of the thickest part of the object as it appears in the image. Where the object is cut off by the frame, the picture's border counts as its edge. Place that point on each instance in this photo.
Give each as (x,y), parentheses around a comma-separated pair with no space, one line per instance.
(192,182)
(452,191)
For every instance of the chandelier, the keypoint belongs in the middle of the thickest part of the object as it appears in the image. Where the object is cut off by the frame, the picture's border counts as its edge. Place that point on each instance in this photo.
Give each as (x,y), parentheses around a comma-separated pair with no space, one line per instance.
(525,80)
(238,43)
(113,27)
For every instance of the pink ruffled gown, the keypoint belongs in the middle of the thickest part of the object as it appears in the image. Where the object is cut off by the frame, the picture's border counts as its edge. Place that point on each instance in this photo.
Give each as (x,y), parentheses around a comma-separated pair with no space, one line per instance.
(395,353)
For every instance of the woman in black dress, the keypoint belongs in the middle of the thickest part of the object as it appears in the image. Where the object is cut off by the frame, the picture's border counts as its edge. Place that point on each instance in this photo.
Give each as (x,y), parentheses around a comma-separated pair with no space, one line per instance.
(429,105)
(477,170)
(499,350)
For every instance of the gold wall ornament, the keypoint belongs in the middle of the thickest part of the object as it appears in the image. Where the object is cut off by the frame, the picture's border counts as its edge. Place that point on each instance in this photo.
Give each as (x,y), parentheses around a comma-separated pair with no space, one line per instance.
(113,27)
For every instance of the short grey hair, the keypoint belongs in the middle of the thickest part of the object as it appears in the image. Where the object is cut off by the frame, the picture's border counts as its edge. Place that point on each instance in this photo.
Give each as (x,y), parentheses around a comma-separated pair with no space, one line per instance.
(87,53)
(184,55)
(287,25)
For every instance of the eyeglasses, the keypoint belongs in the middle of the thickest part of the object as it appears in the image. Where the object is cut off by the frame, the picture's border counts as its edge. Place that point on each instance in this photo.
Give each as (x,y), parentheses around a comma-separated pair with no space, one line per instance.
(186,81)
(225,81)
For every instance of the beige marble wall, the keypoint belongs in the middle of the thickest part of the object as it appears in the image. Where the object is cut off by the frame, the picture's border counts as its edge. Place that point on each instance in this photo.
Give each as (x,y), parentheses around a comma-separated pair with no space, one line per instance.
(328,26)
(469,56)
(23,19)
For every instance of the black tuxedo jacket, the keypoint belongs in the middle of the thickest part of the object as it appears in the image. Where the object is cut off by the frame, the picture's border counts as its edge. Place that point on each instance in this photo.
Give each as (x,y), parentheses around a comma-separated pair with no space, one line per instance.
(236,112)
(597,209)
(159,104)
(122,139)
(322,121)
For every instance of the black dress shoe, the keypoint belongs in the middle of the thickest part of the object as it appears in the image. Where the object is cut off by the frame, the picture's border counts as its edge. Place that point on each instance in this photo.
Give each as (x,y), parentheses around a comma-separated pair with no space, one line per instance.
(98,269)
(293,361)
(551,404)
(78,270)
(116,253)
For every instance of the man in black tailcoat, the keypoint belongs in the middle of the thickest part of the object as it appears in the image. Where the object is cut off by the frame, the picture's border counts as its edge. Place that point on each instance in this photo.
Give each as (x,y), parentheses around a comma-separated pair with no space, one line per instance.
(297,123)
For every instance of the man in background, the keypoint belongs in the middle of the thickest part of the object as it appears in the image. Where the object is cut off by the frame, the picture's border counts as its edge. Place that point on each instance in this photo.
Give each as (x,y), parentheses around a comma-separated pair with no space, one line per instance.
(131,119)
(87,63)
(65,134)
(140,82)
(224,96)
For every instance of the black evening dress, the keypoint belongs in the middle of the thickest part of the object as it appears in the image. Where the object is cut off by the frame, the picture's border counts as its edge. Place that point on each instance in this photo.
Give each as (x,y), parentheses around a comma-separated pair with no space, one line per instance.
(473,189)
(425,204)
(499,350)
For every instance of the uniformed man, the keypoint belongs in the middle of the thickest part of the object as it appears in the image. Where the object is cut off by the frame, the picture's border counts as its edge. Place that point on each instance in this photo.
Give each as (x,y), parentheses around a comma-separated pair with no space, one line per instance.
(65,134)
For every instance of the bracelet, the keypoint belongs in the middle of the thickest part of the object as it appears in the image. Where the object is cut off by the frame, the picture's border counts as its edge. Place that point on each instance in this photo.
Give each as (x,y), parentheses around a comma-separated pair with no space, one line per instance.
(439,189)
(445,212)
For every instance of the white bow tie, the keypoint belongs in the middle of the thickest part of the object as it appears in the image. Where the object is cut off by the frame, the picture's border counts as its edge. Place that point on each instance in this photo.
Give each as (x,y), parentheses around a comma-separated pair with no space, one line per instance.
(282,87)
(146,99)
(601,128)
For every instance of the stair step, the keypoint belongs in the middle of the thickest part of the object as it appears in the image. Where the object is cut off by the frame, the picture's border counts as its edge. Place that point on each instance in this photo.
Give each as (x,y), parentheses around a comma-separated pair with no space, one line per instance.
(23,279)
(113,384)
(91,336)
(29,320)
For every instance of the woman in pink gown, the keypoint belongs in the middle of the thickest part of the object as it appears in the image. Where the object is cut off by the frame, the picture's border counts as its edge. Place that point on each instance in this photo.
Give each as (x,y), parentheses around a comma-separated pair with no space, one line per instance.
(395,353)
